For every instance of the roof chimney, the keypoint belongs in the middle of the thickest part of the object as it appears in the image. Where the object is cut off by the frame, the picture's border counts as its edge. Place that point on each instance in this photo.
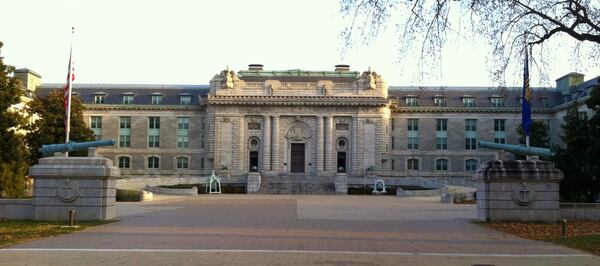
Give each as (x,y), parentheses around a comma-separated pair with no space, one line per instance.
(342,68)
(255,67)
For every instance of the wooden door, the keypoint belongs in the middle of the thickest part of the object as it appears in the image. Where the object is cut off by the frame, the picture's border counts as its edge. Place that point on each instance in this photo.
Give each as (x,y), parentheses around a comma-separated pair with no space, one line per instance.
(297,158)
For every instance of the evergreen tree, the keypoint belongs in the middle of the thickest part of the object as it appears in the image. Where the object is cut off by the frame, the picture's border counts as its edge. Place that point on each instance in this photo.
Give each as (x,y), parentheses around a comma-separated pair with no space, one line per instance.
(50,127)
(579,161)
(13,153)
(538,135)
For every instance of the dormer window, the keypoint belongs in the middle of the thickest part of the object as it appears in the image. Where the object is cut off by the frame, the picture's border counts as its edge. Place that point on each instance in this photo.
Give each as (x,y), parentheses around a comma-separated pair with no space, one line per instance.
(157,99)
(185,99)
(497,101)
(440,101)
(99,99)
(544,101)
(127,99)
(412,101)
(468,101)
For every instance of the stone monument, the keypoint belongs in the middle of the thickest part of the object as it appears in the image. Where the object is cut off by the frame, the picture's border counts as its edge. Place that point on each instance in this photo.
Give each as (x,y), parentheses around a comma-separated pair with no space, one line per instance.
(518,190)
(86,185)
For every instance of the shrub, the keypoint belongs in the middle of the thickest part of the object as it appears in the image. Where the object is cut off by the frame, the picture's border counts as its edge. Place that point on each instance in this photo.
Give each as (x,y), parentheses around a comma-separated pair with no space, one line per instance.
(124,195)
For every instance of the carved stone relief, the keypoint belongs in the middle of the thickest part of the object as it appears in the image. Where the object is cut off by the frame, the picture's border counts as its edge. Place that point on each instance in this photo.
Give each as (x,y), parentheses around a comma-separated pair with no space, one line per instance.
(299,131)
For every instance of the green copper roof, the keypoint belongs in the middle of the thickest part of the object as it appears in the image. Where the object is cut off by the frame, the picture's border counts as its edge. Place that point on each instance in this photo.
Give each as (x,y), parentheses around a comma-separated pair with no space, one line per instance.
(299,73)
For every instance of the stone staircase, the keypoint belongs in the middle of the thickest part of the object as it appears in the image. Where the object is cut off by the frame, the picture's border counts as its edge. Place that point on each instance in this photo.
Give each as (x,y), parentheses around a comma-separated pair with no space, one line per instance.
(297,184)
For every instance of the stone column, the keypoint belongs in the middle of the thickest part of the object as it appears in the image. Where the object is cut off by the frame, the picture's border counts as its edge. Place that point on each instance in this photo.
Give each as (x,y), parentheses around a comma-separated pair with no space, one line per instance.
(329,145)
(266,144)
(354,166)
(242,149)
(276,158)
(320,138)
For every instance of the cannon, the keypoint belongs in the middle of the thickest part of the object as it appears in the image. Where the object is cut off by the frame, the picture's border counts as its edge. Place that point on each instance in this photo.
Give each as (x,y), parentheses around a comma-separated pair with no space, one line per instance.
(517,149)
(50,149)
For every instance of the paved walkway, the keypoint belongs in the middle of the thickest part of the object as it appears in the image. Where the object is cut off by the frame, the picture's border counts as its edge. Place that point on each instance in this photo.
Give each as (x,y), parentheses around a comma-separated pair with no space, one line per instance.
(289,229)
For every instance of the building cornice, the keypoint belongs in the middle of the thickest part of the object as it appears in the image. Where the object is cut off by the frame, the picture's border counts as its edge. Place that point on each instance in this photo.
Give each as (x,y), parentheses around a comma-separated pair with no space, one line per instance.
(297,100)
(143,107)
(466,110)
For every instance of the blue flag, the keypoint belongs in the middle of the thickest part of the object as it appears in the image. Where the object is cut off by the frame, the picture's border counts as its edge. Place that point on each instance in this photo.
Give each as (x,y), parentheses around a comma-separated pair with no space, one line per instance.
(527,96)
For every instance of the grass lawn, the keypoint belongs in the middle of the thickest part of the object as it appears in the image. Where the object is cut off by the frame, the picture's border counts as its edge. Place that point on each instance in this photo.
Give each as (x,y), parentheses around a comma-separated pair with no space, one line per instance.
(581,235)
(19,231)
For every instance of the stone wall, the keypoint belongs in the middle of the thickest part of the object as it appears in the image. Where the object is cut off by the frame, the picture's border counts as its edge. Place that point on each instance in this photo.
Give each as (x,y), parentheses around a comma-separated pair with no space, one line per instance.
(580,211)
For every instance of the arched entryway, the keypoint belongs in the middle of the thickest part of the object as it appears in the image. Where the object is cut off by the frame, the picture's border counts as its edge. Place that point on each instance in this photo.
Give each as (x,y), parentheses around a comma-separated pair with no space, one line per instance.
(298,135)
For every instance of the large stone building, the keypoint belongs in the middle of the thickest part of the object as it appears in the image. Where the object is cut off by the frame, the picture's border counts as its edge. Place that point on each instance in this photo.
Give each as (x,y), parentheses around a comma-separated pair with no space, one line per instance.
(311,124)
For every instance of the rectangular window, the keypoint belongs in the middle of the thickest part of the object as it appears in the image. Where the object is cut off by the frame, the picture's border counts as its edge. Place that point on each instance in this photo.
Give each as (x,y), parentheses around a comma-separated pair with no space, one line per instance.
(98,99)
(185,99)
(441,143)
(440,101)
(183,125)
(127,99)
(124,131)
(124,141)
(124,162)
(153,132)
(392,142)
(153,141)
(412,101)
(441,124)
(413,143)
(393,164)
(413,124)
(157,99)
(201,163)
(182,163)
(154,122)
(393,123)
(470,143)
(497,101)
(468,101)
(500,140)
(499,125)
(470,125)
(96,126)
(125,122)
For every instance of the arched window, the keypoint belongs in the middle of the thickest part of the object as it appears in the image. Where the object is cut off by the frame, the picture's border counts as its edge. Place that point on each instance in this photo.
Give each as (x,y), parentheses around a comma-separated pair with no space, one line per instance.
(412,164)
(182,162)
(124,162)
(470,165)
(441,165)
(153,162)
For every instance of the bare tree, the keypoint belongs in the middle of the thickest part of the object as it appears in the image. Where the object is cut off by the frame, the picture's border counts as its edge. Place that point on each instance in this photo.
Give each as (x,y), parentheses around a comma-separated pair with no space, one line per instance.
(508,25)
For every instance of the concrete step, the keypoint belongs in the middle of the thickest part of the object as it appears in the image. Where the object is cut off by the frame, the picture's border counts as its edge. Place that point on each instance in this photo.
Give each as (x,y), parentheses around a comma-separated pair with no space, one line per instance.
(297,184)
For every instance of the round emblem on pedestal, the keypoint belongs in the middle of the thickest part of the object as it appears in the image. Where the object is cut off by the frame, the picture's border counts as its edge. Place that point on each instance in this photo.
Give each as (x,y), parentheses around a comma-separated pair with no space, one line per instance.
(67,191)
(523,195)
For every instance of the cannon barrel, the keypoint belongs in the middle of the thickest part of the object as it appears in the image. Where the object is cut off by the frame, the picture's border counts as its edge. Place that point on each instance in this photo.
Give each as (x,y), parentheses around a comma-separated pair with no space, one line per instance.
(517,149)
(50,149)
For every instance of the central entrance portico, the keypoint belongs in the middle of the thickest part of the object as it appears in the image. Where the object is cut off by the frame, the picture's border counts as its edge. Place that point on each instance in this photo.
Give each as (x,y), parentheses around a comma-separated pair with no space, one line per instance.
(297,158)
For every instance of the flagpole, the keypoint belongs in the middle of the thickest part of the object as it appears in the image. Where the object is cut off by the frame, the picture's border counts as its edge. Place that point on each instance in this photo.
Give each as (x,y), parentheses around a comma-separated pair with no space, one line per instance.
(525,104)
(68,93)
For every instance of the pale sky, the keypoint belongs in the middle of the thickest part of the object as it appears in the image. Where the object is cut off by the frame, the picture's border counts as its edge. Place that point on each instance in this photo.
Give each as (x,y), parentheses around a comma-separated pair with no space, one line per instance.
(188,42)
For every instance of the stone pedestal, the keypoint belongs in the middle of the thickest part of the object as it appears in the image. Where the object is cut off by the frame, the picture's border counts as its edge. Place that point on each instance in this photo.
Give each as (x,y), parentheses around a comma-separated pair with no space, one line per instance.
(341,183)
(517,190)
(254,182)
(86,185)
